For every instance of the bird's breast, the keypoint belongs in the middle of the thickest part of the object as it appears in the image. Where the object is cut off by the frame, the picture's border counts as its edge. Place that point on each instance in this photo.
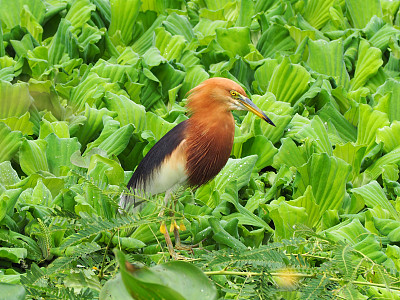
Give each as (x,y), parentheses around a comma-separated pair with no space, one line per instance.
(209,145)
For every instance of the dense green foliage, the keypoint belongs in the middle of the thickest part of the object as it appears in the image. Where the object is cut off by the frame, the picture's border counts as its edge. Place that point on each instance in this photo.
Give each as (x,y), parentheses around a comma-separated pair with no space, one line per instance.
(304,210)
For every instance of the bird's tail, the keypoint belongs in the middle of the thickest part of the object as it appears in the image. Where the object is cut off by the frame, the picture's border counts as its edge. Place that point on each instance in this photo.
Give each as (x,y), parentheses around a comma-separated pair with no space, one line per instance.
(131,202)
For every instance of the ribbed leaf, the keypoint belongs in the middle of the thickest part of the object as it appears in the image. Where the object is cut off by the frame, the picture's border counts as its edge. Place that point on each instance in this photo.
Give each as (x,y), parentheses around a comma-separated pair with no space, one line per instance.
(30,22)
(373,195)
(58,153)
(10,12)
(351,154)
(361,11)
(88,91)
(142,44)
(369,122)
(346,130)
(8,175)
(390,136)
(327,176)
(327,58)
(285,218)
(15,99)
(234,40)
(289,82)
(289,154)
(123,16)
(391,106)
(93,125)
(128,111)
(274,40)
(117,141)
(80,13)
(376,168)
(317,13)
(368,63)
(312,209)
(261,146)
(32,156)
(9,142)
(238,170)
(179,25)
(19,124)
(64,42)
(170,46)
(389,228)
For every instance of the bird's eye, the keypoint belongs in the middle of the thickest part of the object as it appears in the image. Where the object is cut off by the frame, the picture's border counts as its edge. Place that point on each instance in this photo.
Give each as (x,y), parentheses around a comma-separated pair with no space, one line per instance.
(234,93)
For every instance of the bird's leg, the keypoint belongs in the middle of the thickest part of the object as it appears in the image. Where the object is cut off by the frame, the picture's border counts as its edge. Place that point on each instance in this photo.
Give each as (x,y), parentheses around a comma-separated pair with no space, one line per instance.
(175,227)
(164,230)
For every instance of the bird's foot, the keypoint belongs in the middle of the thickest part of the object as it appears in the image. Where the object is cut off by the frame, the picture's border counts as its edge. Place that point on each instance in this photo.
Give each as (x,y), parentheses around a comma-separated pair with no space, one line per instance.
(178,244)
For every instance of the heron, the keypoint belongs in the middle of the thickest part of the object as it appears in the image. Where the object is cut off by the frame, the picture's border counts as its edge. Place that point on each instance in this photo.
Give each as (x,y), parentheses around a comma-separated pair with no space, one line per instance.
(195,150)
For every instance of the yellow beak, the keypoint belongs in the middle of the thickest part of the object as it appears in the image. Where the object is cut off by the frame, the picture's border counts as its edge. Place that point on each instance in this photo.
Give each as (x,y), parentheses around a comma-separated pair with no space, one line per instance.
(250,106)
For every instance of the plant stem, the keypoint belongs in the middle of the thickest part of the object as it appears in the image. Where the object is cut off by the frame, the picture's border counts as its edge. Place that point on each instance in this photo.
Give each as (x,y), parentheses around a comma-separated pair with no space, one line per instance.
(380,285)
(222,272)
(101,274)
(210,273)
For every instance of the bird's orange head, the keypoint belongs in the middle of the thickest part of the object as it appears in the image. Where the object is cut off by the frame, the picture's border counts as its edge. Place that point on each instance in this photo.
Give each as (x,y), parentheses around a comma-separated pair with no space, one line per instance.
(222,94)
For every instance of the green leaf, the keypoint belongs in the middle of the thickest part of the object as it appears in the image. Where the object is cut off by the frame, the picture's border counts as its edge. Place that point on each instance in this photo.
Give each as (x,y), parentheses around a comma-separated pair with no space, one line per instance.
(171,280)
(10,12)
(179,25)
(391,107)
(289,81)
(311,207)
(235,169)
(275,39)
(114,289)
(123,17)
(373,195)
(64,42)
(327,58)
(16,99)
(289,154)
(12,291)
(351,154)
(105,170)
(13,254)
(8,176)
(234,40)
(317,13)
(32,156)
(20,124)
(327,176)
(10,141)
(117,141)
(390,136)
(58,153)
(345,129)
(223,237)
(79,13)
(170,46)
(389,228)
(368,63)
(376,168)
(369,122)
(362,11)
(128,111)
(262,147)
(285,218)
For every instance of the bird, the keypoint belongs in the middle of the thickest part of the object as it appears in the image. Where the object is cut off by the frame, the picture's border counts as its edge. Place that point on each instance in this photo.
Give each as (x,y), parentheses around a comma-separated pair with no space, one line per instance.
(195,150)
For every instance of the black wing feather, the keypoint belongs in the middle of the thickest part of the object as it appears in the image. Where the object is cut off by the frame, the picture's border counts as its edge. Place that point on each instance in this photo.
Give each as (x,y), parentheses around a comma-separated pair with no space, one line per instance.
(152,161)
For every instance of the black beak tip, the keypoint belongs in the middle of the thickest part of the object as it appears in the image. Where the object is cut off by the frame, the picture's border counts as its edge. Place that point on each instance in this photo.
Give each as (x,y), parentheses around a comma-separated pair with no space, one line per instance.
(270,122)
